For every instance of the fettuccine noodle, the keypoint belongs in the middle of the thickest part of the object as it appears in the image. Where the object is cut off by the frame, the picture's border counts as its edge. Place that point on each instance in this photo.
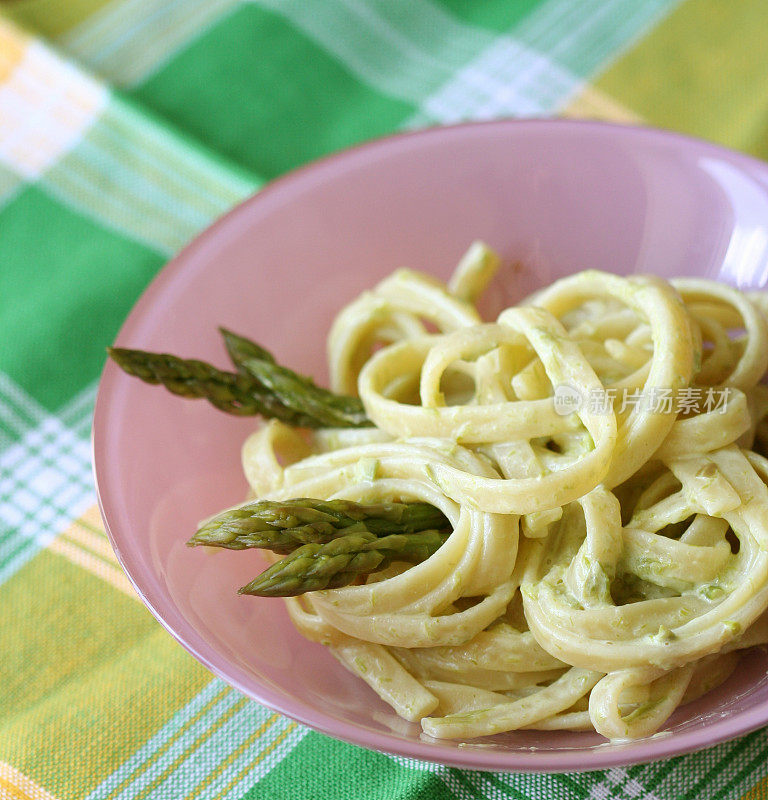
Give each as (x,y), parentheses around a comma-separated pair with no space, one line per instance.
(595,450)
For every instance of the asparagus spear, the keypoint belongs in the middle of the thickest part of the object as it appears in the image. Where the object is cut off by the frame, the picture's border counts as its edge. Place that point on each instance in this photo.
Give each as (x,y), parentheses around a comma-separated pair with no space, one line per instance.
(252,359)
(300,393)
(284,526)
(241,349)
(341,561)
(296,401)
(227,391)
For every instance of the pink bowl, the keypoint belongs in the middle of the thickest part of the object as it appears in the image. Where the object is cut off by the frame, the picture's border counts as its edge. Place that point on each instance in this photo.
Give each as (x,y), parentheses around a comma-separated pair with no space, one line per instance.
(552,197)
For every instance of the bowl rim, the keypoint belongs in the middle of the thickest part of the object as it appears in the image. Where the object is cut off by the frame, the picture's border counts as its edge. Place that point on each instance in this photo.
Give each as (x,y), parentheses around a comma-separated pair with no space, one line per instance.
(483,757)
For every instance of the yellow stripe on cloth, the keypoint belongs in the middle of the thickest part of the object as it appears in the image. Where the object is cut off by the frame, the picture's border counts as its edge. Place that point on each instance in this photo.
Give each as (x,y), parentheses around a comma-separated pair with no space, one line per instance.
(52,17)
(126,42)
(235,754)
(91,519)
(169,743)
(13,43)
(702,71)
(259,758)
(590,103)
(95,541)
(46,105)
(758,792)
(85,543)
(17,786)
(224,718)
(88,530)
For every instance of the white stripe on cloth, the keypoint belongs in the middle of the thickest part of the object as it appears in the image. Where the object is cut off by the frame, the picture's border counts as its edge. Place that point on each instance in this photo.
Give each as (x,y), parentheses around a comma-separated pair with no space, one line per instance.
(407,51)
(454,71)
(149,183)
(236,740)
(45,106)
(45,476)
(76,414)
(126,41)
(543,62)
(446,774)
(10,183)
(70,545)
(614,784)
(101,157)
(21,787)
(506,79)
(617,783)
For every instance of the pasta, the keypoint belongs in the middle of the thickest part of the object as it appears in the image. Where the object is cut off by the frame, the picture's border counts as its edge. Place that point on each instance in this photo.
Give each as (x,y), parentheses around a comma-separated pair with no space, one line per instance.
(596,451)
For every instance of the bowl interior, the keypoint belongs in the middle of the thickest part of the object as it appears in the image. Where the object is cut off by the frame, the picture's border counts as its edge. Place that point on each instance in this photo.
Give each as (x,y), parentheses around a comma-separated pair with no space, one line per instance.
(552,198)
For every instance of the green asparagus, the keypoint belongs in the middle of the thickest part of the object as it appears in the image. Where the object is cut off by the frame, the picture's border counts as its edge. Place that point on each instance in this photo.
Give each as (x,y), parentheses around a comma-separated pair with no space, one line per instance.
(241,349)
(301,393)
(284,526)
(252,359)
(259,387)
(341,561)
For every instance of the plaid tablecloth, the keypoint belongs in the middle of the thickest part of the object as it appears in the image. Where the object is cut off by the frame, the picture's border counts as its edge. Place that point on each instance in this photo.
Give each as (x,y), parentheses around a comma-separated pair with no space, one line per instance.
(127,126)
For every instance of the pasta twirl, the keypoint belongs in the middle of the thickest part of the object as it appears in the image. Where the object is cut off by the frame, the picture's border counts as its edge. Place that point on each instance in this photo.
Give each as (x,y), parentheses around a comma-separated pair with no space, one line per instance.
(592,450)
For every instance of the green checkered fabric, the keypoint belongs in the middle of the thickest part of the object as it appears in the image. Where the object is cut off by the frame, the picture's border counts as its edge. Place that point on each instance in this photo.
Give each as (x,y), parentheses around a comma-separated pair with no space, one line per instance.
(126,127)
